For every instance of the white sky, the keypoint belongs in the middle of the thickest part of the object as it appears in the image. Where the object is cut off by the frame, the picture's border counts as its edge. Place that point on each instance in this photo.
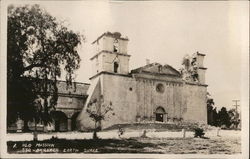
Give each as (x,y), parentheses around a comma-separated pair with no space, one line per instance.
(164,32)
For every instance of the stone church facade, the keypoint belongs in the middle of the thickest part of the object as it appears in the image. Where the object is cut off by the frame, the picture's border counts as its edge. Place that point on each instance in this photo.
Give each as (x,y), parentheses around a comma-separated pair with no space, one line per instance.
(152,93)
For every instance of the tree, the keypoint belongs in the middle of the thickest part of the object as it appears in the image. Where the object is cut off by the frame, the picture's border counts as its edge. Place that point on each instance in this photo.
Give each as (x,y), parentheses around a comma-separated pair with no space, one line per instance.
(223,117)
(99,111)
(215,121)
(210,117)
(211,111)
(38,48)
(234,118)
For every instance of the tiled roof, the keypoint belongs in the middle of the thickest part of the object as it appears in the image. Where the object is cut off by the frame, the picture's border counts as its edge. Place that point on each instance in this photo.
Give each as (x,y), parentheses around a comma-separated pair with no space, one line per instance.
(74,89)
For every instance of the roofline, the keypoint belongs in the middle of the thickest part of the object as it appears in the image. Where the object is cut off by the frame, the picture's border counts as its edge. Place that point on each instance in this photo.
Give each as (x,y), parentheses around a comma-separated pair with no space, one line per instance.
(80,95)
(110,73)
(75,82)
(197,84)
(110,35)
(148,65)
(200,54)
(203,68)
(136,69)
(156,73)
(58,80)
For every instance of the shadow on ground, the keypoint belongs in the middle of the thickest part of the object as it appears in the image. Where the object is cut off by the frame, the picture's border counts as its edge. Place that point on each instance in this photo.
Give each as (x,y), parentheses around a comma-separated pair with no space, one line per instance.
(132,145)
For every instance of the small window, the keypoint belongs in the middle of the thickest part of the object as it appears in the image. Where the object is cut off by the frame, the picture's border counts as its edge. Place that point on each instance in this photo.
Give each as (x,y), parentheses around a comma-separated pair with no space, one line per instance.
(160,88)
(116,65)
(160,68)
(116,45)
(130,88)
(70,100)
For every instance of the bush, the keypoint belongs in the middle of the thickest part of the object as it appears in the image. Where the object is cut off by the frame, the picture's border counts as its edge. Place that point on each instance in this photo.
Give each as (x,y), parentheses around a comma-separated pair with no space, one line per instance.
(120,132)
(144,134)
(199,132)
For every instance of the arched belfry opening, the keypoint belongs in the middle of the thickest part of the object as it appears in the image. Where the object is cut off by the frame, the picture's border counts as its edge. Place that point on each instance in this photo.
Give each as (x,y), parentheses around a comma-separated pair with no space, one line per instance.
(116,44)
(160,114)
(116,65)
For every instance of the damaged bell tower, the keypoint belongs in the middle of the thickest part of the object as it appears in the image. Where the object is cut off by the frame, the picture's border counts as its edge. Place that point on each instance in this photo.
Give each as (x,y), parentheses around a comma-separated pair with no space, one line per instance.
(110,54)
(193,70)
(201,70)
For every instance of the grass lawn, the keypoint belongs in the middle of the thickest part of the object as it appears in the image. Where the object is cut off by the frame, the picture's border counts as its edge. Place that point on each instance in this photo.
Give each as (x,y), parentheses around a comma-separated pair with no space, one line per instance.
(132,145)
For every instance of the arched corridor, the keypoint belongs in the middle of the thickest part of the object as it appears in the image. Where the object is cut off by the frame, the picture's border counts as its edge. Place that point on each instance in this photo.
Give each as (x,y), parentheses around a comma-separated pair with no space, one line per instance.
(59,120)
(74,121)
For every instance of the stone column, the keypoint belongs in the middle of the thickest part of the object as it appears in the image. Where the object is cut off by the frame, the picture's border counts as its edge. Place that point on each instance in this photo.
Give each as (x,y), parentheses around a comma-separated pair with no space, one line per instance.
(69,124)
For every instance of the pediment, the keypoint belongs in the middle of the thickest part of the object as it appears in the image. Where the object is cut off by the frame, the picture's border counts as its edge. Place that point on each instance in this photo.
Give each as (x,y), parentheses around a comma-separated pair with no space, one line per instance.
(156,68)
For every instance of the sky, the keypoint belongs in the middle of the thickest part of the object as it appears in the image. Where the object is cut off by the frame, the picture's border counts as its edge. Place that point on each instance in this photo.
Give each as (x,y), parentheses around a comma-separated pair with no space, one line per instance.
(164,32)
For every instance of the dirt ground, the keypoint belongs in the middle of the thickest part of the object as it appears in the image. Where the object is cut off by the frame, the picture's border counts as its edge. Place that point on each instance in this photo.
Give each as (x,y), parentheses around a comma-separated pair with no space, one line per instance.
(195,145)
(188,145)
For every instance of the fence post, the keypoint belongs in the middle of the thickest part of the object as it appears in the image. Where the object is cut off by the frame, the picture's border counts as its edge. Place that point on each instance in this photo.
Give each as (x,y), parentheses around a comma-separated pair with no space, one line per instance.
(183,133)
(218,131)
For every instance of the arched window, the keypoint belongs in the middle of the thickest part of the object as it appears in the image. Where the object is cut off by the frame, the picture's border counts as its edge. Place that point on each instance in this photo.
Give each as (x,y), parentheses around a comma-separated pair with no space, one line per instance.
(116,65)
(116,45)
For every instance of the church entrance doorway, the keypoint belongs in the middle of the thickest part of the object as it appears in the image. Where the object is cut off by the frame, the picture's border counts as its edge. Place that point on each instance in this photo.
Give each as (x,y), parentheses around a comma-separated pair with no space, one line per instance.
(159,117)
(160,114)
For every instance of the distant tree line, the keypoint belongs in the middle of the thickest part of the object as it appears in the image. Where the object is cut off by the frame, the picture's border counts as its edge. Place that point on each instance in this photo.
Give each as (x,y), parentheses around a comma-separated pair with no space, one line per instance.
(223,118)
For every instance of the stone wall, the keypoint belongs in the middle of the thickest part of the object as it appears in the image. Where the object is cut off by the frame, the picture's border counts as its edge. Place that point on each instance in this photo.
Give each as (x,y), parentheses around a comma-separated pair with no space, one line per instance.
(194,99)
(94,92)
(121,91)
(108,44)
(70,102)
(105,62)
(135,99)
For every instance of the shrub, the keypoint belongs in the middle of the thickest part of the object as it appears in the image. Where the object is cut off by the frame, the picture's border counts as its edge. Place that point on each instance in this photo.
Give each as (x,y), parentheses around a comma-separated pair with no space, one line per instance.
(144,134)
(199,132)
(120,132)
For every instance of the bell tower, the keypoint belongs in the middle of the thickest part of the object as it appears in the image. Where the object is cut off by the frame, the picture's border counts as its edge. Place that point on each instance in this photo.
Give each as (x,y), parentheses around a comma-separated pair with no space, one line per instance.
(110,54)
(201,70)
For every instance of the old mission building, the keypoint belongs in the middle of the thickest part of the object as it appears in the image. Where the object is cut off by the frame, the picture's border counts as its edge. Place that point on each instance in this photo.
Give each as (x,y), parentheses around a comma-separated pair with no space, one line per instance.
(152,93)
